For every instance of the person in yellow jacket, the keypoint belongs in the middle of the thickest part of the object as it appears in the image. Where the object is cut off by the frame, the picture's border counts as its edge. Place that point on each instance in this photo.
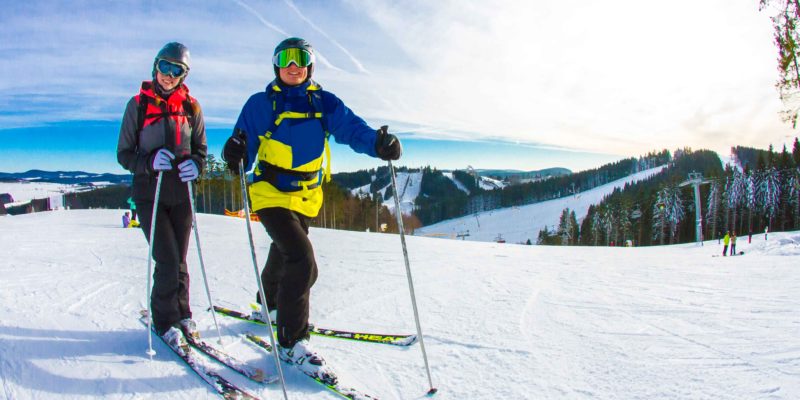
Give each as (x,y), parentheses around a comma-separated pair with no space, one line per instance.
(726,240)
(283,133)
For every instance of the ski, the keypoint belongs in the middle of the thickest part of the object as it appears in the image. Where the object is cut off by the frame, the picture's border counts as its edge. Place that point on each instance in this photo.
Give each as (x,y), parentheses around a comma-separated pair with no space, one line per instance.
(250,372)
(395,340)
(222,386)
(343,392)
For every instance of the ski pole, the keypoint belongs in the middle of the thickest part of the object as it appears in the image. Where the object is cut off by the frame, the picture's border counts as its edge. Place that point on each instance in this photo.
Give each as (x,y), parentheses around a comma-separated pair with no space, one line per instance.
(432,390)
(202,264)
(150,351)
(258,277)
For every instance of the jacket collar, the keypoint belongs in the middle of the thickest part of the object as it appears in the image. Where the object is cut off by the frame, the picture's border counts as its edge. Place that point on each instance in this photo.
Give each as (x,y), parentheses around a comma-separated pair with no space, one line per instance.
(178,96)
(276,86)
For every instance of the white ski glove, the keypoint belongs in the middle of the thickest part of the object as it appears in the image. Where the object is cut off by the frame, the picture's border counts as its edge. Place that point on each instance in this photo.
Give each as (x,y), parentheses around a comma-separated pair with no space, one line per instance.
(162,160)
(188,170)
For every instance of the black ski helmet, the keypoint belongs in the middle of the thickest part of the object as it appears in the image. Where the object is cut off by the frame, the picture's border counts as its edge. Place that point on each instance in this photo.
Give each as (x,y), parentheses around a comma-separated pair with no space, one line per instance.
(294,43)
(173,52)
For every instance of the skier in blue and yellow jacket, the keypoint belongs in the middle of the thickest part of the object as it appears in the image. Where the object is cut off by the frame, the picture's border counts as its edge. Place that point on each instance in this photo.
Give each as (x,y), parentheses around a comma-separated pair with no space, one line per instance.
(283,133)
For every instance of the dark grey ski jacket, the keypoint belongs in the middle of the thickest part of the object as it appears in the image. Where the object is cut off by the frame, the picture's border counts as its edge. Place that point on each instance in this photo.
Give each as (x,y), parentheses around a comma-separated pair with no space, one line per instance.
(167,125)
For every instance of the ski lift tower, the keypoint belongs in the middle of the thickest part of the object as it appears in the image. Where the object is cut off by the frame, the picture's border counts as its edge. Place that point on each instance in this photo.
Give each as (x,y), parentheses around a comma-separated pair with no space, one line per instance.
(696,179)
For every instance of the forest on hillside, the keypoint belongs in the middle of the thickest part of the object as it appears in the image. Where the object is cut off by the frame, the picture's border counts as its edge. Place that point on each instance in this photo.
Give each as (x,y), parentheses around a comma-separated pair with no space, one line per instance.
(764,195)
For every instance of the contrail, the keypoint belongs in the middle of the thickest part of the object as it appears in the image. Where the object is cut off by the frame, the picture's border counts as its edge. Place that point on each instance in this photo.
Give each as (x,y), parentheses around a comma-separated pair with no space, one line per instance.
(260,18)
(355,61)
(269,25)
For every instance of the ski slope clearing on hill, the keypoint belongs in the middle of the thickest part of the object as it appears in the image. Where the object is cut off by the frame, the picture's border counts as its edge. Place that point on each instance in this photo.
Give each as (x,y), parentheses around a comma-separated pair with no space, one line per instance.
(408,185)
(500,321)
(23,192)
(518,224)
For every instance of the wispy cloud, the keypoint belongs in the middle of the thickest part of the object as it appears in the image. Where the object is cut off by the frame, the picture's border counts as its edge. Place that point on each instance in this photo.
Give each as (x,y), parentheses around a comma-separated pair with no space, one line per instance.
(355,61)
(621,76)
(260,17)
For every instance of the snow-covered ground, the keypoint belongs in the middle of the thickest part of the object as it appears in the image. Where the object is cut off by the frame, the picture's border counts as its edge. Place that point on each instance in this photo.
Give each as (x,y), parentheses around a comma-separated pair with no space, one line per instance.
(459,185)
(23,192)
(518,224)
(500,321)
(408,185)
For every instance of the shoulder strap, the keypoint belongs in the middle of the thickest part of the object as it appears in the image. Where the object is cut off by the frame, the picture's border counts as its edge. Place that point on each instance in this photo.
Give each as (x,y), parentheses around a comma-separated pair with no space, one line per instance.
(272,99)
(315,99)
(140,115)
(190,110)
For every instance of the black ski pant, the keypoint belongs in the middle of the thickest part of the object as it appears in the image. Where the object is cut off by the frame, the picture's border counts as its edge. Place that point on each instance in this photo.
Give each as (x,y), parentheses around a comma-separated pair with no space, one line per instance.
(170,296)
(289,273)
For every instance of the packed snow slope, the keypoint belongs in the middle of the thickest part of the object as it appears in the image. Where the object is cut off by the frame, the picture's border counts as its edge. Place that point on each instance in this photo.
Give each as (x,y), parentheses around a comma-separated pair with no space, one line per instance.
(501,321)
(518,224)
(408,185)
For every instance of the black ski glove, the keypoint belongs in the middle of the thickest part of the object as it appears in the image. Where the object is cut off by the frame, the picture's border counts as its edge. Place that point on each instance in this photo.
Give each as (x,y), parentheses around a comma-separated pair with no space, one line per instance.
(235,150)
(388,146)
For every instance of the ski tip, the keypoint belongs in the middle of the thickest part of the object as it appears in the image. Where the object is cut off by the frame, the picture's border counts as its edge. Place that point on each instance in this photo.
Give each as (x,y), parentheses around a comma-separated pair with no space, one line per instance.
(432,392)
(407,341)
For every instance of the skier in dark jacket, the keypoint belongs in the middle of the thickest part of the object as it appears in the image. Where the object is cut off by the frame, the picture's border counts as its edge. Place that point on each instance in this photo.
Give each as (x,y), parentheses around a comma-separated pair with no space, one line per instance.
(163,131)
(284,132)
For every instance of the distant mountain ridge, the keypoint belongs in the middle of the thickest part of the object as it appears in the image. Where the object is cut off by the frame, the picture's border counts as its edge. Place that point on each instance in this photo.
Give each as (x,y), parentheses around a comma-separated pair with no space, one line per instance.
(540,174)
(66,177)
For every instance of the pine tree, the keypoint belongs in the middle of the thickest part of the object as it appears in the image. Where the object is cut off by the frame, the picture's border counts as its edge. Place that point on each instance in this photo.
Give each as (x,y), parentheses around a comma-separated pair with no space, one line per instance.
(597,226)
(625,224)
(660,216)
(794,196)
(736,194)
(769,194)
(771,157)
(573,220)
(750,198)
(675,211)
(564,230)
(608,224)
(712,211)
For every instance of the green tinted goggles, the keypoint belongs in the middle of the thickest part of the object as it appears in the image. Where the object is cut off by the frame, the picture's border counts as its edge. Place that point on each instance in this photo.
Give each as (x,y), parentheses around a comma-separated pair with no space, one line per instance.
(299,57)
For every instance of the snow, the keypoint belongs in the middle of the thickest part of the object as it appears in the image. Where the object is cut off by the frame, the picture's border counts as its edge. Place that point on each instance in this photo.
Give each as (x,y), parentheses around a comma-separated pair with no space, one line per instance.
(501,321)
(518,224)
(459,185)
(408,186)
(487,183)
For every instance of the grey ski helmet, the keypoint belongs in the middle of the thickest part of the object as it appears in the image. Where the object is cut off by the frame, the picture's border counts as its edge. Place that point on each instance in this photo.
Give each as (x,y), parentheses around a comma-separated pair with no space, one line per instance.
(294,43)
(173,52)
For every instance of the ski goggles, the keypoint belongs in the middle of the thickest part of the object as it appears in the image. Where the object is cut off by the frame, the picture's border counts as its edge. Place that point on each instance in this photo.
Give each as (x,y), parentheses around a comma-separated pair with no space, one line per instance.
(299,57)
(169,68)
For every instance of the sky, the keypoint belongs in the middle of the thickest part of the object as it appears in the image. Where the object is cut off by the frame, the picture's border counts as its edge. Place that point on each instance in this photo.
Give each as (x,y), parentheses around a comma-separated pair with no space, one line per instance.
(491,84)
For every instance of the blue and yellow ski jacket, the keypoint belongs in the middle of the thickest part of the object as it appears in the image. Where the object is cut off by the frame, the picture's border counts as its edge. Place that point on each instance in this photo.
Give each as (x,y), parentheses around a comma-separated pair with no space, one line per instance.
(287,130)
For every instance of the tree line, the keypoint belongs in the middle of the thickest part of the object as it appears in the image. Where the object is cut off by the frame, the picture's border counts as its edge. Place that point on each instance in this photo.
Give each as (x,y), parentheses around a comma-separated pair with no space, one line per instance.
(763,195)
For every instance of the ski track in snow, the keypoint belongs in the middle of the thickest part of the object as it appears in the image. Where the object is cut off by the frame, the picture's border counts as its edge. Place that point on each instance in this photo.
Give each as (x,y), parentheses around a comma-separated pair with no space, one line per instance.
(500,320)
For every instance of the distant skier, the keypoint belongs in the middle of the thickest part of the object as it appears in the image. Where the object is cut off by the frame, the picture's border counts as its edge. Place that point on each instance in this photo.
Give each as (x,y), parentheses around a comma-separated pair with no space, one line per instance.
(126,219)
(163,131)
(132,205)
(733,244)
(726,241)
(287,146)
